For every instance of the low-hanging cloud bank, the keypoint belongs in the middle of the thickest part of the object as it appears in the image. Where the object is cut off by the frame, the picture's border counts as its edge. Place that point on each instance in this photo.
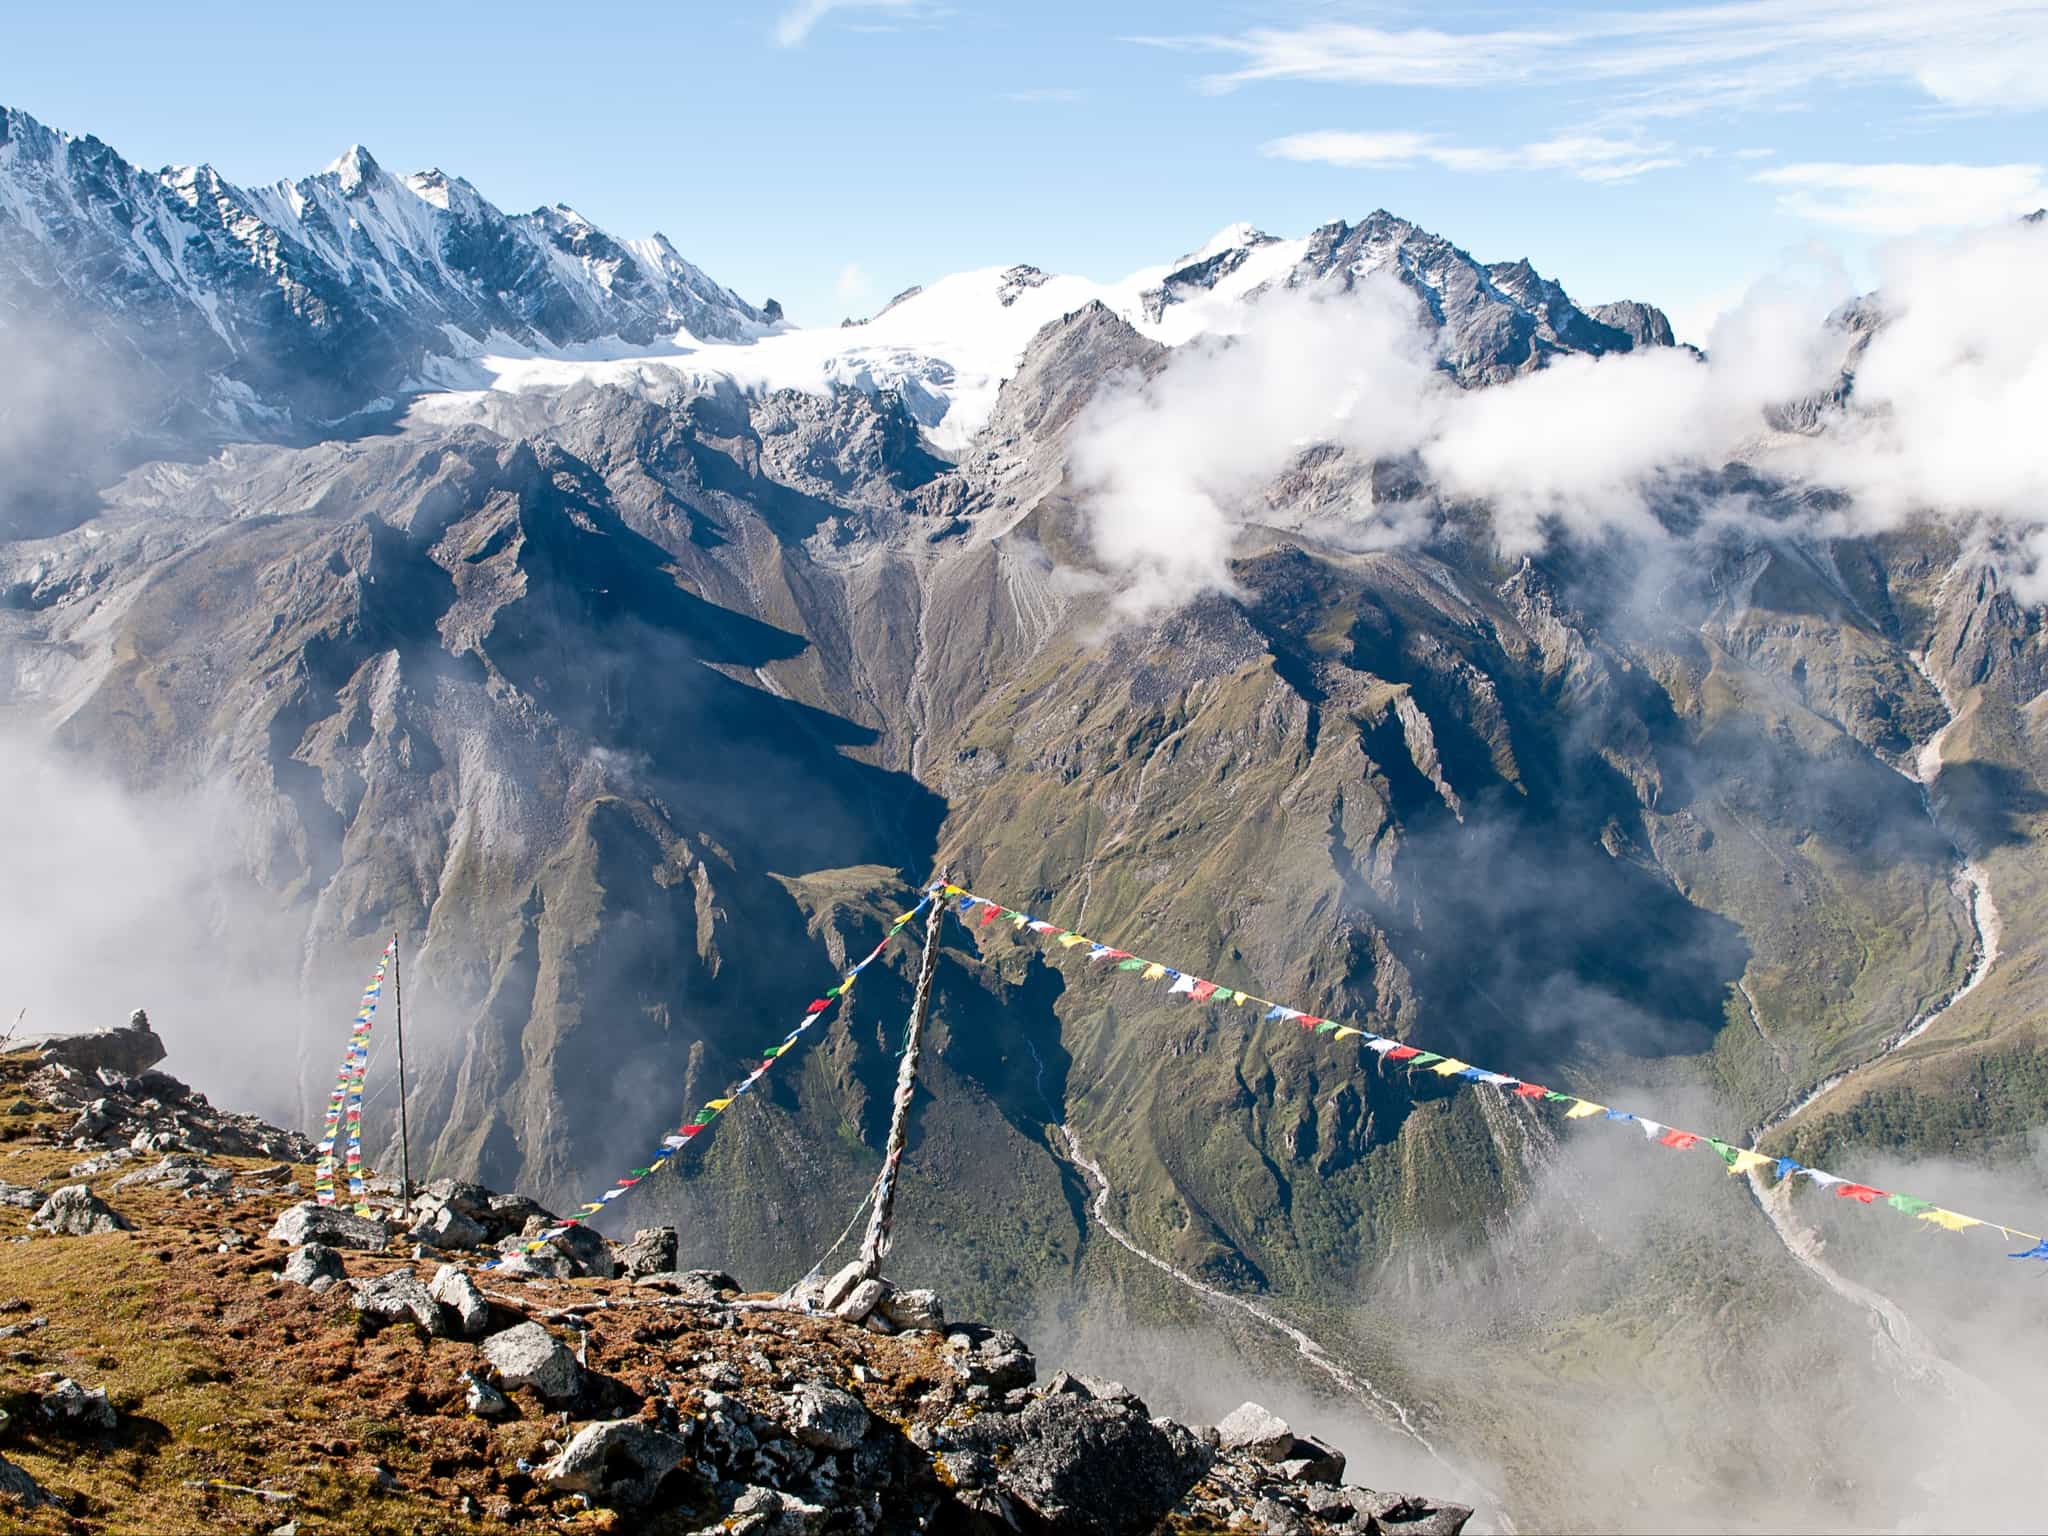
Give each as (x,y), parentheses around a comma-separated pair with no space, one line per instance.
(1937,418)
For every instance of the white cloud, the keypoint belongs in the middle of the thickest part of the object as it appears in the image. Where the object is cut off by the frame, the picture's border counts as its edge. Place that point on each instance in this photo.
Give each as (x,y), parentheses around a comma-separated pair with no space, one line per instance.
(797,23)
(1590,157)
(1943,419)
(1977,54)
(1172,466)
(1952,390)
(1905,199)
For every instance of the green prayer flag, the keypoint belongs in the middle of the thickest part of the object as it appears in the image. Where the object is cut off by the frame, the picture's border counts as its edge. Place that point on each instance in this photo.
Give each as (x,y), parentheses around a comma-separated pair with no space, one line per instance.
(1722,1150)
(1326,1026)
(1909,1205)
(1425,1059)
(638,1173)
(1130,965)
(1552,1096)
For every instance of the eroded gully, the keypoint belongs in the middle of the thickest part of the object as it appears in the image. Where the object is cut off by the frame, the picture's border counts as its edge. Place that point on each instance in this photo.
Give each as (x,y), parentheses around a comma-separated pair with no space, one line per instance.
(1390,1412)
(1908,1349)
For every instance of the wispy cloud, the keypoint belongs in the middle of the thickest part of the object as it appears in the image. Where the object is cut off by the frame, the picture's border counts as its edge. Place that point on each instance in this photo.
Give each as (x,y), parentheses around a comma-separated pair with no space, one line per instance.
(853,282)
(1973,54)
(797,23)
(1902,199)
(1590,157)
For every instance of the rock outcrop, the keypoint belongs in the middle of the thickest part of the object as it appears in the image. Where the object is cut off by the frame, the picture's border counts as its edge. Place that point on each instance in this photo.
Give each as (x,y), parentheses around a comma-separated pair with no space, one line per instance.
(126,1052)
(75,1211)
(495,1398)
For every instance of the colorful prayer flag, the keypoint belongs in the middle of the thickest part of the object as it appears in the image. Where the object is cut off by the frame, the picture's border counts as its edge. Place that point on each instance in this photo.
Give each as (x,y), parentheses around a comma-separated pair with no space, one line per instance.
(1949,1219)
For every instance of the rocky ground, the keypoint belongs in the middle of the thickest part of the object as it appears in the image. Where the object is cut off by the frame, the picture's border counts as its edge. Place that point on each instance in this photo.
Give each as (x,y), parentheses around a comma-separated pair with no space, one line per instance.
(186,1343)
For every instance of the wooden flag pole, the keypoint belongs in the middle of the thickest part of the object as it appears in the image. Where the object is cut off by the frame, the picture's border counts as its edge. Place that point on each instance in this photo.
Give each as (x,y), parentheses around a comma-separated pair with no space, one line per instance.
(404,1131)
(875,1246)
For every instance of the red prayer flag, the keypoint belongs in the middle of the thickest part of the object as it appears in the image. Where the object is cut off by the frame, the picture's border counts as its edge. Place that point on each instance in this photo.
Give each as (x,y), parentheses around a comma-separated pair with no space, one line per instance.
(990,914)
(690,1130)
(819,1005)
(1118,954)
(1310,1021)
(1204,990)
(1859,1192)
(1679,1139)
(1530,1090)
(1403,1052)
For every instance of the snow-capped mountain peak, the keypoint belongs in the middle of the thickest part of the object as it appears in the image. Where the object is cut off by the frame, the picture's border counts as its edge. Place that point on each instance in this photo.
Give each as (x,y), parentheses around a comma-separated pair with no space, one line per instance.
(353,169)
(269,308)
(316,296)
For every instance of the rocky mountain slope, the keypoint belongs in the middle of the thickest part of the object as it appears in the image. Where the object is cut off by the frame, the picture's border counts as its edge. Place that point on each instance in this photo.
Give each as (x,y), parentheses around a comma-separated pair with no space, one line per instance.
(198,1350)
(639,700)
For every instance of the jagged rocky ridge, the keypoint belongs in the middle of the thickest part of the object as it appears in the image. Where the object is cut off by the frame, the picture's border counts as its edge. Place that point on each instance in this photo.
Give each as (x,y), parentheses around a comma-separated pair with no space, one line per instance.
(668,1395)
(189,308)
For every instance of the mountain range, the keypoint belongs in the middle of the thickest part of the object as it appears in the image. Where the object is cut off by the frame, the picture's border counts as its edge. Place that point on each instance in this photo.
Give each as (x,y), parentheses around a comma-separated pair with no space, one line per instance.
(635,653)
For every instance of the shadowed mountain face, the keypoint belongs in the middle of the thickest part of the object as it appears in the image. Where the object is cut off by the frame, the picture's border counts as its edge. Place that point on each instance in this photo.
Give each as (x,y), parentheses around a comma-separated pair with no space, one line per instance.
(637,718)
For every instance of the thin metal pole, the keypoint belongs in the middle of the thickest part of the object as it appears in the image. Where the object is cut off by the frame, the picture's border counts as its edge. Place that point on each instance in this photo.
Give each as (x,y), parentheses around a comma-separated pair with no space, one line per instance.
(404,1131)
(875,1246)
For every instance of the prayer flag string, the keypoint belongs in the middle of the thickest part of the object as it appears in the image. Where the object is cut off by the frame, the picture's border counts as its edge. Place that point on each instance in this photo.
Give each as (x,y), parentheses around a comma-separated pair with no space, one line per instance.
(1740,1160)
(697,1124)
(344,1123)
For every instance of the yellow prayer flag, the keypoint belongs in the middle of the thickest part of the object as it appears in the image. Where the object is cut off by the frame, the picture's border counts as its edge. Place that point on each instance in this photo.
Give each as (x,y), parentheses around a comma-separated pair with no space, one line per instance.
(1243,998)
(1347,1030)
(717,1103)
(1154,972)
(1745,1160)
(1583,1108)
(1069,940)
(956,890)
(1450,1066)
(1949,1219)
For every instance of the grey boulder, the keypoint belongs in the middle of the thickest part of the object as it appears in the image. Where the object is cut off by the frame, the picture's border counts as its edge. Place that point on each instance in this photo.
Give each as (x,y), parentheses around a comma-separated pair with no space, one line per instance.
(652,1252)
(458,1293)
(309,1222)
(75,1211)
(315,1261)
(913,1309)
(1310,1460)
(618,1462)
(448,1228)
(1256,1431)
(128,1052)
(485,1400)
(72,1407)
(991,1357)
(827,1418)
(1084,1466)
(398,1297)
(529,1356)
(20,1487)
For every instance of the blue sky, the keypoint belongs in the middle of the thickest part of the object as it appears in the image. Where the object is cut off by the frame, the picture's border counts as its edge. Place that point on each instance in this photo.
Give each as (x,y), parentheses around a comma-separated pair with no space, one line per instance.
(830,152)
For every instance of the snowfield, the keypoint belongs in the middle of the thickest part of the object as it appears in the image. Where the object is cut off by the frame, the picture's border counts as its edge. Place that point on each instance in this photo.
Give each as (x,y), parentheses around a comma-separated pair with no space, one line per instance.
(946,348)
